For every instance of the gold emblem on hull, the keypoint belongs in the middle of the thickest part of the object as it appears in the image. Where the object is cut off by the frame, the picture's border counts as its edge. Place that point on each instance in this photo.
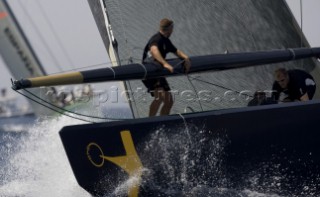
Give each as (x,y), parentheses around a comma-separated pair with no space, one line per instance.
(130,162)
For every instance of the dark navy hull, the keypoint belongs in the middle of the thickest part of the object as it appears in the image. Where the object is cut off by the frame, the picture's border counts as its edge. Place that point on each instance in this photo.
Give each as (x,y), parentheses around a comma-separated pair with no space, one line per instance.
(276,145)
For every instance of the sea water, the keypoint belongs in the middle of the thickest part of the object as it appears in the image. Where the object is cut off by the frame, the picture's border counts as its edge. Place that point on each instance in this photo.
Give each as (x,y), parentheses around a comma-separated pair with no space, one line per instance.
(33,163)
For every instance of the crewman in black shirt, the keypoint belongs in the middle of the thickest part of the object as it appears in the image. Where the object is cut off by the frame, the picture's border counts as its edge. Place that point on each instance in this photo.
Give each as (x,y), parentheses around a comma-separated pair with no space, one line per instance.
(155,52)
(296,84)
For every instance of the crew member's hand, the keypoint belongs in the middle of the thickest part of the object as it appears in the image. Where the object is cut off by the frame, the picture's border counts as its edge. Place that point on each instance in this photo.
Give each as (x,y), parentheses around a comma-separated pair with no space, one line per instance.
(187,65)
(168,67)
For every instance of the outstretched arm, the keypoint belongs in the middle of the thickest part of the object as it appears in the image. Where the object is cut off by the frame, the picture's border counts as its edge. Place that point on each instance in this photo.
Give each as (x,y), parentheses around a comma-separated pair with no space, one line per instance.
(157,55)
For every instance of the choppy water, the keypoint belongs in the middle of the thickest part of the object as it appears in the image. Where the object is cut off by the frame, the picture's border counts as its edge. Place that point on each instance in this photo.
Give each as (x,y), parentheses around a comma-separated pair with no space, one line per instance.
(33,163)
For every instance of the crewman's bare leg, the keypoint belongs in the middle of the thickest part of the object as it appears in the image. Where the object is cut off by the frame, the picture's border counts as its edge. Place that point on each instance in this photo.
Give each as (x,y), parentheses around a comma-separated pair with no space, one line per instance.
(167,103)
(154,107)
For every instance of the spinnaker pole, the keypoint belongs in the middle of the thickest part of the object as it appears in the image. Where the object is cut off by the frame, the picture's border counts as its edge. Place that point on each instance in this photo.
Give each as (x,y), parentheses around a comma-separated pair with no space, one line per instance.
(140,71)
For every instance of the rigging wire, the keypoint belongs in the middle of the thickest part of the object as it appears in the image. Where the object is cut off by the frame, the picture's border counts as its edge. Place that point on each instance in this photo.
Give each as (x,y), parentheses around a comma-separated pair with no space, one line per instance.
(90,66)
(72,112)
(194,88)
(40,36)
(52,108)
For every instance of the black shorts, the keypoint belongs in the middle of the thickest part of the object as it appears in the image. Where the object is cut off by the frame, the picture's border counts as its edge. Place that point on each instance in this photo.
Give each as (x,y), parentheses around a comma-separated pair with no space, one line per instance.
(154,83)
